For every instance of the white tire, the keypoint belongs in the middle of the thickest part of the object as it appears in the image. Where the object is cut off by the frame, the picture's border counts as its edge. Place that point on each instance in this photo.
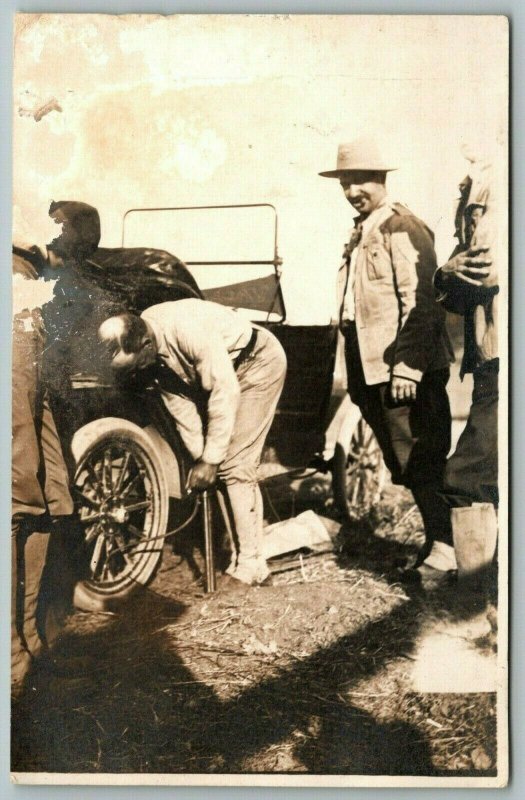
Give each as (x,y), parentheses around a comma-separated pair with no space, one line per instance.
(121,490)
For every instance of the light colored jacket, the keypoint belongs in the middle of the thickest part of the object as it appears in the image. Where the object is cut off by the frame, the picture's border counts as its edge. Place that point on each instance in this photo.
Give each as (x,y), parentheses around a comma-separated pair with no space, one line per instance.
(400,327)
(199,340)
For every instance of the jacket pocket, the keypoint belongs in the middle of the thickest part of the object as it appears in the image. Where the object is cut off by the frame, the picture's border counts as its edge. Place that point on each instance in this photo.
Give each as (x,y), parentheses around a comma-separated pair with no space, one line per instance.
(377,263)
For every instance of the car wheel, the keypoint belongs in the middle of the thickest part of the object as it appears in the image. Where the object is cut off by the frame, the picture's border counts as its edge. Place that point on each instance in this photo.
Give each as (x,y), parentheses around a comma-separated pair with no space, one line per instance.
(122,498)
(359,472)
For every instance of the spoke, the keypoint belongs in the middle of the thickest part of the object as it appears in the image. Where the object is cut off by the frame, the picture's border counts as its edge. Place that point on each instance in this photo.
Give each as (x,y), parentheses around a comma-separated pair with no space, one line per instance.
(106,570)
(92,533)
(95,480)
(361,430)
(368,439)
(355,492)
(87,500)
(90,520)
(127,489)
(133,529)
(352,468)
(123,470)
(97,552)
(138,506)
(354,454)
(123,549)
(107,481)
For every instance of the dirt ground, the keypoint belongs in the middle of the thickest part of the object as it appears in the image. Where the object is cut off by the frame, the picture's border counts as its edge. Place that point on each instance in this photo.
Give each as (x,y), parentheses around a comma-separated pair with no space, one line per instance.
(309,675)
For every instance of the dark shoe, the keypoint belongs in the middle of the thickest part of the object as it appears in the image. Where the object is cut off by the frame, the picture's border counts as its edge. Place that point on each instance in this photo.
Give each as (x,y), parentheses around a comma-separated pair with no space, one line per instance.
(268,581)
(427,578)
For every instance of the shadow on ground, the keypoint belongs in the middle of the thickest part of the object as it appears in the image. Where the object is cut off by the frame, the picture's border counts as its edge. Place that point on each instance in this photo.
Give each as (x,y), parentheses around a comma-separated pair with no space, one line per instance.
(144,710)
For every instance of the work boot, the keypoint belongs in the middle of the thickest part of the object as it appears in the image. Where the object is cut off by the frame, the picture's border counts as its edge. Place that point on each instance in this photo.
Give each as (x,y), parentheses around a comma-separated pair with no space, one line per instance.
(436,571)
(248,563)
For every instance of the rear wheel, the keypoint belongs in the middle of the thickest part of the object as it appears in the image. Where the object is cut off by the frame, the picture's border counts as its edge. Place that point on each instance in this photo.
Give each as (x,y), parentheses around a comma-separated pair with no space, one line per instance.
(359,471)
(123,504)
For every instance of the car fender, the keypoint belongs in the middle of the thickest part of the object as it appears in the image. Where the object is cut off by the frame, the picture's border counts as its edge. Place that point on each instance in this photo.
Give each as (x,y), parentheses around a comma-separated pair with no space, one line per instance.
(88,434)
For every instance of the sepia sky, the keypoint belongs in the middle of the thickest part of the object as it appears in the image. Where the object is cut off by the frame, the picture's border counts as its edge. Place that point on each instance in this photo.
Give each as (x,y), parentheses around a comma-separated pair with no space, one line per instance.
(145,111)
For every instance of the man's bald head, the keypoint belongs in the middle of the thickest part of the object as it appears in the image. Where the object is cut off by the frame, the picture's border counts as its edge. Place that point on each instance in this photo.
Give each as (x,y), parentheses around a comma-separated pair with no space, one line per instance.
(130,342)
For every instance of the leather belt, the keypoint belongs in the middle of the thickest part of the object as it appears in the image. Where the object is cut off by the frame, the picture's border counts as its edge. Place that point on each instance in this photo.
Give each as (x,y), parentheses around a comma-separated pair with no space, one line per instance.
(246,350)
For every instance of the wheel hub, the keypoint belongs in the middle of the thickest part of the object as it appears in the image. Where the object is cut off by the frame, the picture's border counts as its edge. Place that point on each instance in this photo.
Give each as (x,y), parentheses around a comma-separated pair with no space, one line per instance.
(111,513)
(120,515)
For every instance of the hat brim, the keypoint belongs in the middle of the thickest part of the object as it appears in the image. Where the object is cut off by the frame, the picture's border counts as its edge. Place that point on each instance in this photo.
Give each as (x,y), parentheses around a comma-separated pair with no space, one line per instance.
(338,173)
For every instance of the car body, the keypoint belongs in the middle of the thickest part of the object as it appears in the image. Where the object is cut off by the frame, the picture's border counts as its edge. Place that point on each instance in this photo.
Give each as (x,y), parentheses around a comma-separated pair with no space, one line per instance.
(124,436)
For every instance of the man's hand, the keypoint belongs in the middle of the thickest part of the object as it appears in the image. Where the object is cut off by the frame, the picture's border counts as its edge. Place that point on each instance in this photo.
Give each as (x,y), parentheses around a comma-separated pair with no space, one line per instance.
(403,389)
(470,266)
(202,475)
(23,267)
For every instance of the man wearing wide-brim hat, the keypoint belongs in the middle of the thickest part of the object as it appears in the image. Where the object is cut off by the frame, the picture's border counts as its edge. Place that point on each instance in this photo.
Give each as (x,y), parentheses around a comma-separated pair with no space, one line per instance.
(396,347)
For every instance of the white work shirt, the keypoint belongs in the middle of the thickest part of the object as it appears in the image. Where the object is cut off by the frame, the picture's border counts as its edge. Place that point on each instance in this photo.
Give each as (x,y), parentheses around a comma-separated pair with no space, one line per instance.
(348,309)
(199,340)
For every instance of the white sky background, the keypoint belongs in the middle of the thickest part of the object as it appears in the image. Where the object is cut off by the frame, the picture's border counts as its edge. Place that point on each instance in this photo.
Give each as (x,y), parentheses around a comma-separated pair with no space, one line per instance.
(202,110)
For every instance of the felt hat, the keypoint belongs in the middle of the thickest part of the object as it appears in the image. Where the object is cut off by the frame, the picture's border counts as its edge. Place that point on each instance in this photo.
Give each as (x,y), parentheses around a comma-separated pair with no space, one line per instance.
(361,155)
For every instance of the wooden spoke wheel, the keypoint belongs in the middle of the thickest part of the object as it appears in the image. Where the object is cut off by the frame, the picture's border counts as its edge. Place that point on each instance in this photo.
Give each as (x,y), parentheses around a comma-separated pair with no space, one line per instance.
(122,498)
(359,471)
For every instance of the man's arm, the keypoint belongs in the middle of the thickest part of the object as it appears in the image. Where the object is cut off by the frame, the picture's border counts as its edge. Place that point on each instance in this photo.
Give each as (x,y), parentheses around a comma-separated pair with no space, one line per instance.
(205,349)
(23,266)
(460,283)
(414,265)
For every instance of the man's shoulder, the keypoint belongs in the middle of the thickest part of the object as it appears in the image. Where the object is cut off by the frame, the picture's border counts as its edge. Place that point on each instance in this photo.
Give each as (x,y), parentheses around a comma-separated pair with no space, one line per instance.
(173,308)
(403,219)
(402,214)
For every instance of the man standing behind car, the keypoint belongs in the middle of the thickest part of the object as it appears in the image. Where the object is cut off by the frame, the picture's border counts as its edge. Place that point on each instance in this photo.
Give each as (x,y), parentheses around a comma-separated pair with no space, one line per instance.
(396,347)
(468,285)
(198,349)
(44,526)
(42,507)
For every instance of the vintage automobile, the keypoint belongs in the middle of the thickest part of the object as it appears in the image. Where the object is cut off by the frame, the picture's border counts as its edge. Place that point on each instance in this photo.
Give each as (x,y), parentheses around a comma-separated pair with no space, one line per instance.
(130,463)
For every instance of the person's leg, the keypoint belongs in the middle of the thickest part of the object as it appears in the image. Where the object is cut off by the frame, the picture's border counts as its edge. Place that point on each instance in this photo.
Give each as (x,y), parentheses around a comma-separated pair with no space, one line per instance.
(414,439)
(28,548)
(261,379)
(471,474)
(369,400)
(249,563)
(26,457)
(61,569)
(471,480)
(29,551)
(56,477)
(20,655)
(420,436)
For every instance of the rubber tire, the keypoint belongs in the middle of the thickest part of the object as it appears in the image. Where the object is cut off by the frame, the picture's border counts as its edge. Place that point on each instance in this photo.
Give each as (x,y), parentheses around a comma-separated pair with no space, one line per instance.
(339,466)
(90,595)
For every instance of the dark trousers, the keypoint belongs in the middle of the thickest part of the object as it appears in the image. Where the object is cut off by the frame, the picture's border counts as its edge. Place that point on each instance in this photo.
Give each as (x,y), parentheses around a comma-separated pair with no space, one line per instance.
(414,437)
(471,475)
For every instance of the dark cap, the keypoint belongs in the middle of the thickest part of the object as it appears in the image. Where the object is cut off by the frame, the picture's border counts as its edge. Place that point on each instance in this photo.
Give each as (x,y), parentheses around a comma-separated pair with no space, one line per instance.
(80,229)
